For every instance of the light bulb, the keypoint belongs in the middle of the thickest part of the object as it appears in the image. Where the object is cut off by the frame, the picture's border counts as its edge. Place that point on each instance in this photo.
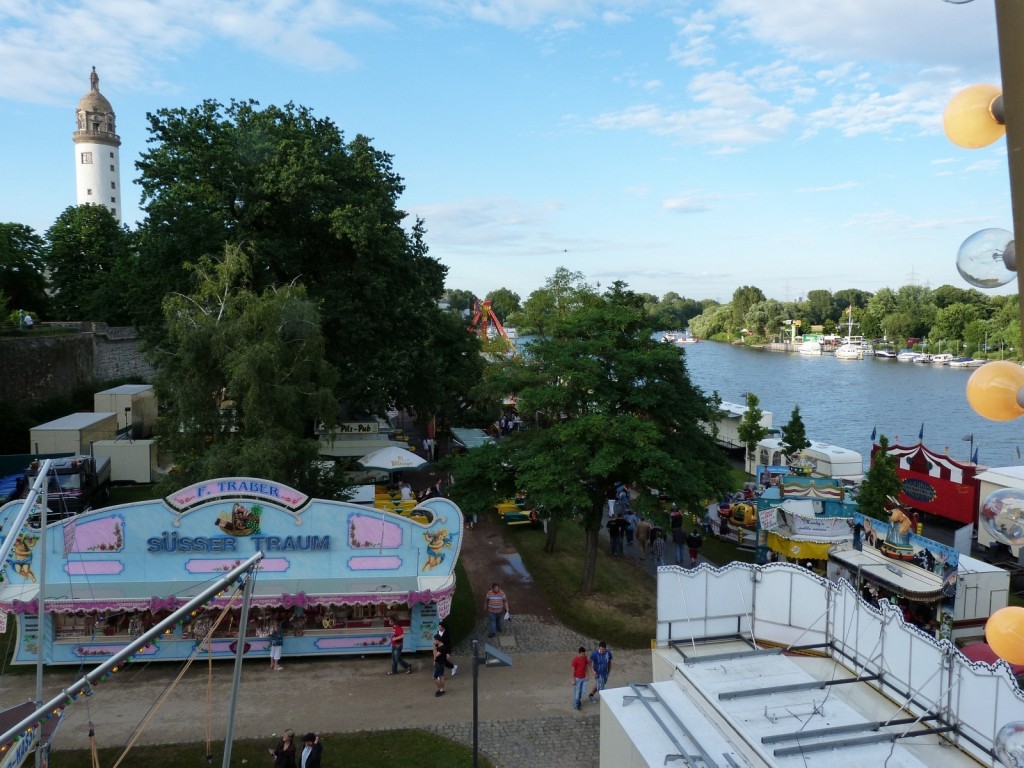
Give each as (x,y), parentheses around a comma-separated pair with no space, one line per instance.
(981,260)
(996,391)
(973,117)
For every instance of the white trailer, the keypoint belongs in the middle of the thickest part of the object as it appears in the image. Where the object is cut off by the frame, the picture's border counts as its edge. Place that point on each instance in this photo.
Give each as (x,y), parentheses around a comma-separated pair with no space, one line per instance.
(981,590)
(823,459)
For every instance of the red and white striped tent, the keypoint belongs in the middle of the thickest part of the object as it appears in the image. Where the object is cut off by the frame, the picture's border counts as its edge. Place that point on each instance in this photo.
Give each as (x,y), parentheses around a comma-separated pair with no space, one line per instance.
(935,483)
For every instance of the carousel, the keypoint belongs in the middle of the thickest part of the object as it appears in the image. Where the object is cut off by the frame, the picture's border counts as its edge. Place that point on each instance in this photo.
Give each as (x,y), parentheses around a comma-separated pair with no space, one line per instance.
(336,575)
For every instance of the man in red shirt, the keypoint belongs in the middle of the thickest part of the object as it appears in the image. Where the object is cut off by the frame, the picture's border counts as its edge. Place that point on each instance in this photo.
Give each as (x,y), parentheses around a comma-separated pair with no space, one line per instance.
(397,640)
(580,666)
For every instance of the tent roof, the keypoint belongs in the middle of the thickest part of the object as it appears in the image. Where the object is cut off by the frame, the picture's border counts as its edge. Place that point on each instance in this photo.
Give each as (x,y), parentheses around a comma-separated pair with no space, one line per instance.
(470,438)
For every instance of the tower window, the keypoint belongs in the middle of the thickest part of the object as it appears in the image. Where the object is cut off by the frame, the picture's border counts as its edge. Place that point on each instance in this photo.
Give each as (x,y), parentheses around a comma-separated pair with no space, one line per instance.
(111,155)
(113,210)
(87,158)
(113,185)
(111,167)
(88,192)
(113,199)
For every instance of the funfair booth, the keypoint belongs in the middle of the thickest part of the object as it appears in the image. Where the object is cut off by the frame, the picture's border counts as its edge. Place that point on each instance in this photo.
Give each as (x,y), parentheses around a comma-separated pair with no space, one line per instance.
(935,483)
(335,574)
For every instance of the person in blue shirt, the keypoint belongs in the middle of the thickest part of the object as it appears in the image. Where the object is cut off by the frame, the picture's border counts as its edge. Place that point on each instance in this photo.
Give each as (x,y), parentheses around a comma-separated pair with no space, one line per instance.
(601,663)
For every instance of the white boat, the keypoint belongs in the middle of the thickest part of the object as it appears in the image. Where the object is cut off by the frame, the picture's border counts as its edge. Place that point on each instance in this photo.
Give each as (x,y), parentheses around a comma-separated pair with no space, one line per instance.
(885,353)
(944,358)
(810,347)
(922,358)
(849,352)
(852,347)
(907,355)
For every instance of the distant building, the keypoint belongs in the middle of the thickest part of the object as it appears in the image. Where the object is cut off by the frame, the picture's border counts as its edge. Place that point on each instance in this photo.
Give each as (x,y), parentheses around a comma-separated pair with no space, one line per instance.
(97,157)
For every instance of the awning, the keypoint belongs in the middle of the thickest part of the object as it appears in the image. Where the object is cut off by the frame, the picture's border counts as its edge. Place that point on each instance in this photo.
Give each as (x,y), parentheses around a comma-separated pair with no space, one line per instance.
(799,549)
(897,576)
(470,438)
(356,446)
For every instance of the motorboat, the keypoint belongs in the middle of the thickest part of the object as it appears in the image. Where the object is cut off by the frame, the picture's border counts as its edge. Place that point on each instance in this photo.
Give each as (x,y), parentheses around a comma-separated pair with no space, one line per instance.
(810,347)
(943,358)
(907,355)
(959,362)
(922,358)
(885,353)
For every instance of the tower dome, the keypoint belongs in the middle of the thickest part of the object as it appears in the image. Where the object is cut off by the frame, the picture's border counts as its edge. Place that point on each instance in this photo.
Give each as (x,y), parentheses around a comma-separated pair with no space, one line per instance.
(98,167)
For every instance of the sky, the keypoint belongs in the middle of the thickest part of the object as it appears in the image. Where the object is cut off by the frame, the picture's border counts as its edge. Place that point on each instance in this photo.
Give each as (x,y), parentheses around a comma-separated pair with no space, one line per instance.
(678,146)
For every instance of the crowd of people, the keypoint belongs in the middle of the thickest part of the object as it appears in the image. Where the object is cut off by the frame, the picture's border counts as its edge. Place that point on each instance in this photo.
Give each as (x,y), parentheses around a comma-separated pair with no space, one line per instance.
(627,528)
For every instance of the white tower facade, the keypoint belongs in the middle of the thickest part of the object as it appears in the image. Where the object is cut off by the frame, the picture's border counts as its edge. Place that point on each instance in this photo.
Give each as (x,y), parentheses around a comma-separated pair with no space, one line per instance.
(97,157)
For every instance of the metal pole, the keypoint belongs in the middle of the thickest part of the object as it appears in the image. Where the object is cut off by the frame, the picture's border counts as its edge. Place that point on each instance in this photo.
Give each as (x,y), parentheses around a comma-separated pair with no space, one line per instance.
(44,519)
(243,622)
(22,516)
(1010,29)
(476,676)
(86,683)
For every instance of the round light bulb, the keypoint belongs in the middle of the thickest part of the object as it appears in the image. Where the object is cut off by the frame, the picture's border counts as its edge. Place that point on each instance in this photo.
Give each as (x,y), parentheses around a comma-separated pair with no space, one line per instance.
(971,119)
(982,259)
(1009,746)
(1004,632)
(995,391)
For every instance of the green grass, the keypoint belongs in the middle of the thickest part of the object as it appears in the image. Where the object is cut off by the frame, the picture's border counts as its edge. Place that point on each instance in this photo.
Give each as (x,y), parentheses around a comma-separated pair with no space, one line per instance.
(622,610)
(368,749)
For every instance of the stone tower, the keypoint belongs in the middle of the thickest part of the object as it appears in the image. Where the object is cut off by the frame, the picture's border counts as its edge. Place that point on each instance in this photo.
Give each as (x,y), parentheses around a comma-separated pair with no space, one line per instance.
(97,160)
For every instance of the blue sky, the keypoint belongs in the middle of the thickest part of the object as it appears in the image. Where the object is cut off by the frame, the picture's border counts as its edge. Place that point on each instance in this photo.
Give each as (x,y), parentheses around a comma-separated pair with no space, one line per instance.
(678,146)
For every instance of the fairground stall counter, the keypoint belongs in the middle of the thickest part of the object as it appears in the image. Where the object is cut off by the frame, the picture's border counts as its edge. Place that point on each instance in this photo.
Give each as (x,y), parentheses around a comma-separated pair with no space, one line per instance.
(335,574)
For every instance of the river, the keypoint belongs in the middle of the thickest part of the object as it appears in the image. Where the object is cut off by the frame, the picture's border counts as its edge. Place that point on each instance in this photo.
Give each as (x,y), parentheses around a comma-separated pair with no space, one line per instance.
(842,401)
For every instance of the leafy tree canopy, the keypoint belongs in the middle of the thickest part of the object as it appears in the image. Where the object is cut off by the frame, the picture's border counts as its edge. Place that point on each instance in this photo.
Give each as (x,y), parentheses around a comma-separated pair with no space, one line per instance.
(750,429)
(880,482)
(794,434)
(611,405)
(310,208)
(21,268)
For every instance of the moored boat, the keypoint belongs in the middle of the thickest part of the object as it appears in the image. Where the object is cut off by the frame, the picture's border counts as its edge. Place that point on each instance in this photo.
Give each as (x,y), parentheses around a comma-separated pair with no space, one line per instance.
(885,353)
(942,358)
(907,355)
(849,352)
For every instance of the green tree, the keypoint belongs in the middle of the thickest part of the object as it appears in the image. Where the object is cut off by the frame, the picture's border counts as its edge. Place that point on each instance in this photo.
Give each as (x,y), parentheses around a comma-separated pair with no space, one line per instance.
(712,321)
(765,318)
(750,429)
(21,268)
(564,292)
(90,264)
(612,405)
(743,298)
(504,303)
(819,307)
(310,208)
(951,323)
(459,300)
(794,435)
(880,483)
(243,379)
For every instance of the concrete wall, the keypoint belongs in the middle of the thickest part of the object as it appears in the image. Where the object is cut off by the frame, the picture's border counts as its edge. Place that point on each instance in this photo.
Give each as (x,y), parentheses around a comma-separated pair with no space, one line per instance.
(36,367)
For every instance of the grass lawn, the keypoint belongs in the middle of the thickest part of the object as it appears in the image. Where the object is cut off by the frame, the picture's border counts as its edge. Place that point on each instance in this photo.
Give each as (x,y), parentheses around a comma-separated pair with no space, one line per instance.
(377,749)
(622,609)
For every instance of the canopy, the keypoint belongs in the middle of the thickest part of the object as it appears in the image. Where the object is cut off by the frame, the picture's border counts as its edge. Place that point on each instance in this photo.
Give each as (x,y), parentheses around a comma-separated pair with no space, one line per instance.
(470,438)
(392,459)
(898,576)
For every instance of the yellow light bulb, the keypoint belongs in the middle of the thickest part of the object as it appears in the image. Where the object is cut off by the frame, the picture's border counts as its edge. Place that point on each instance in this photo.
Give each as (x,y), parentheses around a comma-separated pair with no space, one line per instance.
(972,118)
(995,390)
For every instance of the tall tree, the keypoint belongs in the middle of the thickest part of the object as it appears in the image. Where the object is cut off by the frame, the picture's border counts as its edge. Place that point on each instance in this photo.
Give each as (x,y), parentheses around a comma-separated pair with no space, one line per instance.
(564,292)
(243,379)
(794,434)
(21,267)
(743,298)
(90,265)
(308,207)
(750,429)
(612,405)
(819,307)
(503,303)
(880,482)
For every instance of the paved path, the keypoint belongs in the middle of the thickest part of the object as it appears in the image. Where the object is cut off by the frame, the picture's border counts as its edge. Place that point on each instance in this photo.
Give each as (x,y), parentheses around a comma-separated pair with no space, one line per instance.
(526,718)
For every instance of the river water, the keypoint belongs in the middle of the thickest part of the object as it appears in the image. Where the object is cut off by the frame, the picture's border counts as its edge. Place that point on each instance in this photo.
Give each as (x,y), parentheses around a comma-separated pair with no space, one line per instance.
(842,401)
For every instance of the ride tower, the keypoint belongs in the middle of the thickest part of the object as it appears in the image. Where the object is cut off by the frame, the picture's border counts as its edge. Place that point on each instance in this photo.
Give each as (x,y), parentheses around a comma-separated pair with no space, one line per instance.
(97,160)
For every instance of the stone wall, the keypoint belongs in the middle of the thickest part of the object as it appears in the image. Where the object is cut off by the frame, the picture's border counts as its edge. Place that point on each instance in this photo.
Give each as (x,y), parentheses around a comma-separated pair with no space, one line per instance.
(37,366)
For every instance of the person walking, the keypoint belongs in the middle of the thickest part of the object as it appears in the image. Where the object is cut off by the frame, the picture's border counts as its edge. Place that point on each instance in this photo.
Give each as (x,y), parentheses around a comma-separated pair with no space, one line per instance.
(496,605)
(675,517)
(658,548)
(679,542)
(616,530)
(276,646)
(601,663)
(580,667)
(438,649)
(312,749)
(643,535)
(630,520)
(446,648)
(694,541)
(284,755)
(397,641)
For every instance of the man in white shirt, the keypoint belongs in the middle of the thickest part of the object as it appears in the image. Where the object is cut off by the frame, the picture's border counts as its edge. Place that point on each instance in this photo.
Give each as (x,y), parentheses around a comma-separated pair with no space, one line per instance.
(311,751)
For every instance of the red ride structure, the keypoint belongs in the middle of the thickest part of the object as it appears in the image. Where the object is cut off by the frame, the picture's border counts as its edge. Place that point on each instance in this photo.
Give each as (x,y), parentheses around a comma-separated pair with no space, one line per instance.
(484,320)
(935,483)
